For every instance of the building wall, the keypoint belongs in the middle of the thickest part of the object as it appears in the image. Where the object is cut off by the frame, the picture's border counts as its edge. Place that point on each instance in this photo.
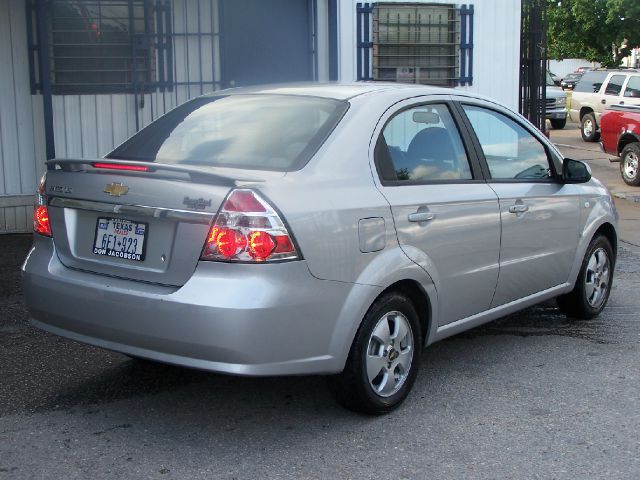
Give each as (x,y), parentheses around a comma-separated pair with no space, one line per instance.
(91,125)
(563,67)
(87,126)
(21,123)
(496,53)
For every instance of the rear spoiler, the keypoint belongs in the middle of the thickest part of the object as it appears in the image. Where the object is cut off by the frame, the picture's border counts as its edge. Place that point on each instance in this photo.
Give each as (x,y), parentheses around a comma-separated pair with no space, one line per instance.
(195,173)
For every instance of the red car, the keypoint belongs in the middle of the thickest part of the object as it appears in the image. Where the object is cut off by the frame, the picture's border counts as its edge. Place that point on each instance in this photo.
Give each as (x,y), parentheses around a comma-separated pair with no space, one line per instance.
(620,133)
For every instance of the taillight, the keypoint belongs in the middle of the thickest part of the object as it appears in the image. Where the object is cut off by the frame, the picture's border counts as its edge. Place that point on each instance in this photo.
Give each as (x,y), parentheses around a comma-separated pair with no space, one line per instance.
(41,223)
(248,229)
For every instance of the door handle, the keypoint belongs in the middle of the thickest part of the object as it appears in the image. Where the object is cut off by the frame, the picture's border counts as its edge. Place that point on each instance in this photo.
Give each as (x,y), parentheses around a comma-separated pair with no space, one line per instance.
(518,208)
(621,103)
(421,216)
(603,101)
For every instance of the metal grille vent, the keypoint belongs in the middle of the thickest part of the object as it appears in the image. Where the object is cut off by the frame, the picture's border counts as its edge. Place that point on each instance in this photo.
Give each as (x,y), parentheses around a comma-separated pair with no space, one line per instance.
(416,43)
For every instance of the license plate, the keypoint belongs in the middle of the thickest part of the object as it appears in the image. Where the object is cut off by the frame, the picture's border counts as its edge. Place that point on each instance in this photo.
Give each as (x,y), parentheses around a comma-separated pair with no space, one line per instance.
(120,238)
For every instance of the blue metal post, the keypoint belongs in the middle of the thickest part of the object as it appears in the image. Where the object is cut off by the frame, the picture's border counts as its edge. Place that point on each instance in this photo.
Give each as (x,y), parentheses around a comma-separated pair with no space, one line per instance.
(333,39)
(45,77)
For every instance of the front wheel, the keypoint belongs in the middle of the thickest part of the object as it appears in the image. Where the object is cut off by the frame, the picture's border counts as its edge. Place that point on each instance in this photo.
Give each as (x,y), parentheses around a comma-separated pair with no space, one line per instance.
(593,286)
(589,128)
(383,360)
(558,123)
(629,164)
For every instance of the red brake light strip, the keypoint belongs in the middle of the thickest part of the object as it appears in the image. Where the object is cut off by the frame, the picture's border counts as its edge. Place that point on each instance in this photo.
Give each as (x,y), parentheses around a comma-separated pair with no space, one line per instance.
(118,166)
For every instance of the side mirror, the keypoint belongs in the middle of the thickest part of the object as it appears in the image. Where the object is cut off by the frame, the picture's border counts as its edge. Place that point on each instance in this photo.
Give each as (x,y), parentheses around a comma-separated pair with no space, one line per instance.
(575,171)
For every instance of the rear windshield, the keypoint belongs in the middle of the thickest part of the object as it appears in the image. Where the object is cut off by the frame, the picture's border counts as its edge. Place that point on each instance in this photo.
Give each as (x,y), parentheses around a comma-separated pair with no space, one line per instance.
(266,132)
(591,82)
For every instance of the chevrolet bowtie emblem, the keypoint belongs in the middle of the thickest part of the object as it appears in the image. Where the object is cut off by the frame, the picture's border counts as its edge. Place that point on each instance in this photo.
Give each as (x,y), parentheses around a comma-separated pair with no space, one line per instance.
(116,189)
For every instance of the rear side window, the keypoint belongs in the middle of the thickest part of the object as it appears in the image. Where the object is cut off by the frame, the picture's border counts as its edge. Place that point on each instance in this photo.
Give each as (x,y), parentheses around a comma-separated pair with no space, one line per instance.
(633,87)
(265,132)
(422,144)
(614,87)
(591,82)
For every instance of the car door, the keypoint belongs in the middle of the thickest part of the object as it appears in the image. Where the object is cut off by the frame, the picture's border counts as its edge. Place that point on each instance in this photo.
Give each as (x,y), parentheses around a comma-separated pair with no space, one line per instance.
(446,217)
(539,214)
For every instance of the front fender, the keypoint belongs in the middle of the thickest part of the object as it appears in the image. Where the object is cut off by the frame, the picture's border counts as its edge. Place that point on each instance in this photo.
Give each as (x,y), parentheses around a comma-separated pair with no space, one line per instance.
(603,212)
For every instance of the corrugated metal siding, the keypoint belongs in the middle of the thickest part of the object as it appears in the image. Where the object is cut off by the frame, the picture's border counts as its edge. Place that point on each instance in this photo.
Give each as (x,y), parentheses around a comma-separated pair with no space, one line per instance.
(21,123)
(88,125)
(497,51)
(91,125)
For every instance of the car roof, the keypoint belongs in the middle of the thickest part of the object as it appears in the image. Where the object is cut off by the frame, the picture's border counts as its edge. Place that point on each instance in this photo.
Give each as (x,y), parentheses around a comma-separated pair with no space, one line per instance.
(337,91)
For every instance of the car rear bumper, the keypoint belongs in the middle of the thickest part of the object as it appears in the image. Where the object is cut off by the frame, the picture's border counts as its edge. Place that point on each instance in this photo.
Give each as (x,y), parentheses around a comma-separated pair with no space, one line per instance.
(268,319)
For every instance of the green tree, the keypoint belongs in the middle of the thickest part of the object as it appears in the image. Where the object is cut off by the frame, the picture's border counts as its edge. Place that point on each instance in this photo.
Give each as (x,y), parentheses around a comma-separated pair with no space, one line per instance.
(602,31)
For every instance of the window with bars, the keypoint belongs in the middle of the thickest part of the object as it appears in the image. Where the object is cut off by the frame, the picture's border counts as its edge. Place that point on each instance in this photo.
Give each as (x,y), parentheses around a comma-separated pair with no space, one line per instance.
(100,46)
(416,43)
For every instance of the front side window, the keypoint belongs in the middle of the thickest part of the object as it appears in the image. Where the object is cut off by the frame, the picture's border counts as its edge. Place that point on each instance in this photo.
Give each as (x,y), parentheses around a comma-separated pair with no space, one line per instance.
(266,132)
(614,87)
(422,144)
(100,45)
(511,152)
(633,87)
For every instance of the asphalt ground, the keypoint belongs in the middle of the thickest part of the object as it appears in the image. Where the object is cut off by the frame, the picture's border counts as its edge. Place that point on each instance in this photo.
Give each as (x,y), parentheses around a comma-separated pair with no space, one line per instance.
(533,395)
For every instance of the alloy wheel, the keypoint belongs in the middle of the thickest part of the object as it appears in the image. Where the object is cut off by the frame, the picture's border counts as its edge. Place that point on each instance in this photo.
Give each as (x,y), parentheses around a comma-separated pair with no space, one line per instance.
(389,354)
(630,166)
(596,279)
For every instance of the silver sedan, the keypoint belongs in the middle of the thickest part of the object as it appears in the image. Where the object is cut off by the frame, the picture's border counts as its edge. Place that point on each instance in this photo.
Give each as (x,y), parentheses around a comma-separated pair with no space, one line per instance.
(317,229)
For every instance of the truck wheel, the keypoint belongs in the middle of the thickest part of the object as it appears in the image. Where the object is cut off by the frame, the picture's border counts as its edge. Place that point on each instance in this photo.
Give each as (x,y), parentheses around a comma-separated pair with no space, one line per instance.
(629,159)
(589,128)
(593,286)
(558,123)
(384,358)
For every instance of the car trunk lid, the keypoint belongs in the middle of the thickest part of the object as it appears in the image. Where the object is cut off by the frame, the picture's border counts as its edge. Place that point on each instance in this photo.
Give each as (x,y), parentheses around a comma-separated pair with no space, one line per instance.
(145,224)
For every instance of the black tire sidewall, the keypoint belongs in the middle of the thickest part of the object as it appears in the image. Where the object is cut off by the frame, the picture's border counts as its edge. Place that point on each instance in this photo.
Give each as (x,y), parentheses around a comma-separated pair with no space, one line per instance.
(387,303)
(635,148)
(598,242)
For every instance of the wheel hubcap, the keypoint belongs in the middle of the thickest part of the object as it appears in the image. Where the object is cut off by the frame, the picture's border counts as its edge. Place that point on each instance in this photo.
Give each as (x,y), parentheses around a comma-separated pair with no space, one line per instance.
(389,354)
(630,165)
(587,128)
(596,280)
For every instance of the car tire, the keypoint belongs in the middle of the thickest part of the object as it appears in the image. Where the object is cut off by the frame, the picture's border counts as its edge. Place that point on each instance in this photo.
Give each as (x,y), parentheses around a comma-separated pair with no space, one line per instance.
(383,360)
(630,163)
(593,286)
(558,123)
(589,128)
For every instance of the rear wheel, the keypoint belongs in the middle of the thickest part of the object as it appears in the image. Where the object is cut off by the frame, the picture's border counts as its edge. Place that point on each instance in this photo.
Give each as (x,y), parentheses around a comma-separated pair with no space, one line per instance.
(558,123)
(383,360)
(589,128)
(593,286)
(629,159)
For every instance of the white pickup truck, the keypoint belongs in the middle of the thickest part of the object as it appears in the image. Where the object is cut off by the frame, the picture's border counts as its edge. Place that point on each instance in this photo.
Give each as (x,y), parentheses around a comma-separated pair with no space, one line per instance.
(556,108)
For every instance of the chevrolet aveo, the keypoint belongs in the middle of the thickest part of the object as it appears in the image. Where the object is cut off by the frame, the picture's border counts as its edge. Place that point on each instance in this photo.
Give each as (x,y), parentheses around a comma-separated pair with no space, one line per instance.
(316,229)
